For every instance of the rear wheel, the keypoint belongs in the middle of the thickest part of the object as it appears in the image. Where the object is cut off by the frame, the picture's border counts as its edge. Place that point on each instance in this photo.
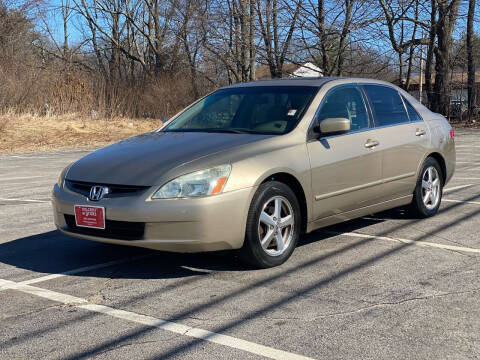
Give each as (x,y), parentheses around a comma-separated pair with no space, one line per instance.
(428,192)
(273,226)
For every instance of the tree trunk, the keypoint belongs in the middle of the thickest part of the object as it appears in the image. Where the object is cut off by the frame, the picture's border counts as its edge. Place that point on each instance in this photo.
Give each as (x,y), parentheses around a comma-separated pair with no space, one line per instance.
(447,17)
(412,50)
(430,50)
(65,13)
(114,62)
(276,44)
(343,36)
(323,36)
(470,63)
(251,40)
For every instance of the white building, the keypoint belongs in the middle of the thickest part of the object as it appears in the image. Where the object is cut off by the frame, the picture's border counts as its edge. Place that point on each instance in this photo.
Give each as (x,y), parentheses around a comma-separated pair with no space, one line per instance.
(307,70)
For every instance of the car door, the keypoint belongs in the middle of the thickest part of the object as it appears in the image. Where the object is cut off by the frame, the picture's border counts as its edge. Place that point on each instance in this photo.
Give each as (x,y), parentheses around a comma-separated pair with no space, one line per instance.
(403,136)
(346,168)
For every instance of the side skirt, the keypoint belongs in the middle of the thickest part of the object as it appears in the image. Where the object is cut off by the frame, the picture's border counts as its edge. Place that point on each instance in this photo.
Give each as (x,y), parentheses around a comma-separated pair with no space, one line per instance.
(350,215)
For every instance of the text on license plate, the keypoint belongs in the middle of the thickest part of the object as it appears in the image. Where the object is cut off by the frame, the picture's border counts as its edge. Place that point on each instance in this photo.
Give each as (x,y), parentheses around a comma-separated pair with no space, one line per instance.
(90,216)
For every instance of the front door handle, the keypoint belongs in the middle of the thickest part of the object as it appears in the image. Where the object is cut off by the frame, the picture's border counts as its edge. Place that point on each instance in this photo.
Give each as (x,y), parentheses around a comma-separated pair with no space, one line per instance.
(371,143)
(420,132)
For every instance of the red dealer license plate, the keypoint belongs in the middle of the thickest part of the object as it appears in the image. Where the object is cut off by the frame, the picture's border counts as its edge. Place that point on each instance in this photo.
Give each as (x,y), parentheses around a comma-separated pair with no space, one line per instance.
(90,216)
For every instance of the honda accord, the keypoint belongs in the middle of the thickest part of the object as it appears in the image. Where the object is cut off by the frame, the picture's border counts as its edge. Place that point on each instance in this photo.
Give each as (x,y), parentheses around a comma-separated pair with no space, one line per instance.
(253,166)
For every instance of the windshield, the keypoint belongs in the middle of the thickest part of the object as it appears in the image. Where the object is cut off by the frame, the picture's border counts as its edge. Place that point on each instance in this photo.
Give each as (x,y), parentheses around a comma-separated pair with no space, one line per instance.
(258,110)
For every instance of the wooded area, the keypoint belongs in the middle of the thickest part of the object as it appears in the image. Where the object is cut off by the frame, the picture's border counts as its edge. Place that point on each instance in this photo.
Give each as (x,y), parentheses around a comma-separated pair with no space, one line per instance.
(149,58)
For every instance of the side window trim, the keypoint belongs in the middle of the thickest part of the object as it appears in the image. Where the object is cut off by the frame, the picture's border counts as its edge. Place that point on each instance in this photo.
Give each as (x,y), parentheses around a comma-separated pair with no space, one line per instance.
(404,106)
(371,123)
(405,102)
(366,99)
(377,126)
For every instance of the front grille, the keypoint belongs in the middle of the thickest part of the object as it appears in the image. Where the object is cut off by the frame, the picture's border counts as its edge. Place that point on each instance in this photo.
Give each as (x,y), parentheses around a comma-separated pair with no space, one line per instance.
(83,188)
(121,230)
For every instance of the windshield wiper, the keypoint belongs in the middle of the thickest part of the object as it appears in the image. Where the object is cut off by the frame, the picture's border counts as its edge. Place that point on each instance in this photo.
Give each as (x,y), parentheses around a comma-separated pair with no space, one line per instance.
(230,131)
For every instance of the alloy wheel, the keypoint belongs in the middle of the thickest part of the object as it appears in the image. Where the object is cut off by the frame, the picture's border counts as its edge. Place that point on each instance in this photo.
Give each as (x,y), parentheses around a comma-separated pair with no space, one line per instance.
(275,226)
(431,188)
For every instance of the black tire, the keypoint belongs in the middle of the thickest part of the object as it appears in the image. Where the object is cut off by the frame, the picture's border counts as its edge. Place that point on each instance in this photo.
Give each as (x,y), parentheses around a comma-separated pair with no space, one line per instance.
(252,251)
(418,208)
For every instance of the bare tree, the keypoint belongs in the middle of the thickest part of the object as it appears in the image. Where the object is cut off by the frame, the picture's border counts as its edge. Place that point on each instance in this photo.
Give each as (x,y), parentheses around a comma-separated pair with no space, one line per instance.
(447,18)
(432,33)
(277,20)
(470,60)
(343,35)
(327,29)
(65,7)
(230,37)
(396,15)
(190,16)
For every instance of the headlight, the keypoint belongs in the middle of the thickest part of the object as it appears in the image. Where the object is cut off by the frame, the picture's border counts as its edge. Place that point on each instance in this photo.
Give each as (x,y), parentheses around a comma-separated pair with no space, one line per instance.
(61,178)
(200,183)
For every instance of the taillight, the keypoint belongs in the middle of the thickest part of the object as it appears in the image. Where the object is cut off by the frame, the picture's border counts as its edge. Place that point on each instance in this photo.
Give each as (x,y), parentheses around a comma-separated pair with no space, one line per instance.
(452,133)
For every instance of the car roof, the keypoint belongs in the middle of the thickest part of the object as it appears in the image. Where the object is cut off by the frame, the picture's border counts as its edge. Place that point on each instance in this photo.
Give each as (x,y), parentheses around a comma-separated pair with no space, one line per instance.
(308,81)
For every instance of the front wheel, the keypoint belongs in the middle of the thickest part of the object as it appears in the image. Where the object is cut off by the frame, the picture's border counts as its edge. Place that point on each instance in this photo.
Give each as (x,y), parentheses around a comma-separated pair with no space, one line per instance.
(428,192)
(273,226)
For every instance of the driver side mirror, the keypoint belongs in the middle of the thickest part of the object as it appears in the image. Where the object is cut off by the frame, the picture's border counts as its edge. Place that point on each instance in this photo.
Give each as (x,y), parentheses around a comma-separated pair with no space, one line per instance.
(332,126)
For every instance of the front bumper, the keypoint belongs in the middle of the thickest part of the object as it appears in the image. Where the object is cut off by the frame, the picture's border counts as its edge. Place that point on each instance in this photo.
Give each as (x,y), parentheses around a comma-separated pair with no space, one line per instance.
(180,225)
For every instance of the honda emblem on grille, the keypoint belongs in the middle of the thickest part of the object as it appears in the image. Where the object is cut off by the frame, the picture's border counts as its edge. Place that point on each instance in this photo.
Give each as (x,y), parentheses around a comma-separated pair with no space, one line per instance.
(98,192)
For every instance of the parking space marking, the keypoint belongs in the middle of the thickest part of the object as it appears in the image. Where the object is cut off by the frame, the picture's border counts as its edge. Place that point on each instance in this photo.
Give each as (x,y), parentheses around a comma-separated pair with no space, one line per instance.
(457,188)
(466,178)
(26,200)
(406,241)
(76,271)
(462,201)
(31,157)
(174,327)
(9,186)
(24,177)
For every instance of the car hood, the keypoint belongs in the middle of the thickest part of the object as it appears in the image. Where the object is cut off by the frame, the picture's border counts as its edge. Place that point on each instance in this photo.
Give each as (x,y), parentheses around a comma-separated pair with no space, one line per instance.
(144,160)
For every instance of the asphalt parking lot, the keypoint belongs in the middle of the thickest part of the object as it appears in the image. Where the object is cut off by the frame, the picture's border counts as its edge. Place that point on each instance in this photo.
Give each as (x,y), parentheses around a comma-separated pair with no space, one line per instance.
(383,286)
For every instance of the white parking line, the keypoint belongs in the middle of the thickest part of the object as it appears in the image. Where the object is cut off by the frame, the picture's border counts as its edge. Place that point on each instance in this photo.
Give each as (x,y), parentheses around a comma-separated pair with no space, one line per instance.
(30,157)
(466,178)
(457,188)
(25,200)
(78,270)
(462,201)
(23,186)
(174,327)
(467,169)
(24,177)
(407,241)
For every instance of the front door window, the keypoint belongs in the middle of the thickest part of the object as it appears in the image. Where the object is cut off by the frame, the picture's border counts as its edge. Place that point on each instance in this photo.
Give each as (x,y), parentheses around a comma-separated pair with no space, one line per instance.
(345,102)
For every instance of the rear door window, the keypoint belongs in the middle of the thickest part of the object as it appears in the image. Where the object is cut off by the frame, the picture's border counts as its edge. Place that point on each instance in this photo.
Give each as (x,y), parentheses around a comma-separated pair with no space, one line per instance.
(387,106)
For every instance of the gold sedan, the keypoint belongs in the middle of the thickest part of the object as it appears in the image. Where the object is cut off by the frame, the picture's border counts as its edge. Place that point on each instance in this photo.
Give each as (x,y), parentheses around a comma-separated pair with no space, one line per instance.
(254,166)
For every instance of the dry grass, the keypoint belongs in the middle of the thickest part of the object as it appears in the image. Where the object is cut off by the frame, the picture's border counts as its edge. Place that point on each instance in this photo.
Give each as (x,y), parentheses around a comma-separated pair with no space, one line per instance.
(30,133)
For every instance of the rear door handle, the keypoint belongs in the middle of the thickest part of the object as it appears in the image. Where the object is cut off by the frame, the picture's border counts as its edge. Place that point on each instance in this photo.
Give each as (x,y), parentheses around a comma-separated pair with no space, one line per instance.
(420,132)
(371,143)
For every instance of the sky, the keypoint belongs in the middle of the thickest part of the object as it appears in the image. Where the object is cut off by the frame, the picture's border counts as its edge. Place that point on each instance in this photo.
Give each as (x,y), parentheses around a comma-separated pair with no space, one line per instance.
(76,36)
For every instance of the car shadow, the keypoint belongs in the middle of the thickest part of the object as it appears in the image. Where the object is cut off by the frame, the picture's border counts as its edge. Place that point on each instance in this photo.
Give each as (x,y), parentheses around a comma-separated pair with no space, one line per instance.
(52,253)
